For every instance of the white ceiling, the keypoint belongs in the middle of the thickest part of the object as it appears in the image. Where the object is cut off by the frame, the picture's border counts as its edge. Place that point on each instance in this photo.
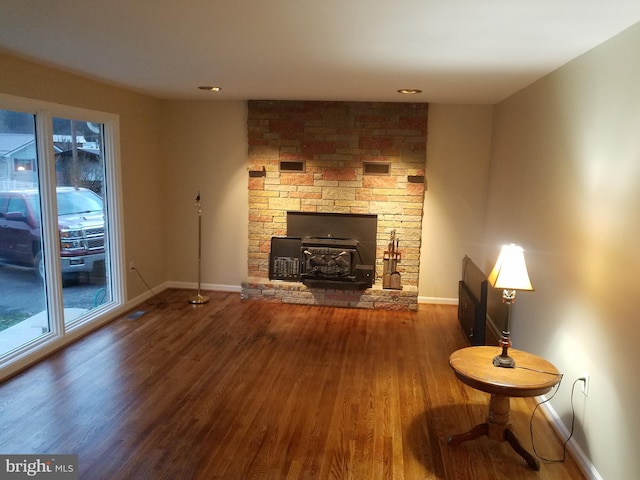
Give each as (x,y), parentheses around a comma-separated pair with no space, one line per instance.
(456,51)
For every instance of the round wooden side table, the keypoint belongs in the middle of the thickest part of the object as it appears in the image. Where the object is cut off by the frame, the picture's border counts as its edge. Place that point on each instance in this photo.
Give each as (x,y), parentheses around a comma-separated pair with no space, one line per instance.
(532,376)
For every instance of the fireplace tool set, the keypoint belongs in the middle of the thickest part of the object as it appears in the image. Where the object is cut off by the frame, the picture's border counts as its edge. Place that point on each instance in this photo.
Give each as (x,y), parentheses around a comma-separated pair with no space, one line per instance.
(390,275)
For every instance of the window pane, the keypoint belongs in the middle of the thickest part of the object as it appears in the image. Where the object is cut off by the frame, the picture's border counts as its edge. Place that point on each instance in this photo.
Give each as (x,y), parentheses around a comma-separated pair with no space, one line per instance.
(80,193)
(23,308)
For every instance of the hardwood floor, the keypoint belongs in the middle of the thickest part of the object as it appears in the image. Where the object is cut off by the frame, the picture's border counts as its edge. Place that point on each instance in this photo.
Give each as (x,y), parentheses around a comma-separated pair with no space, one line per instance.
(233,390)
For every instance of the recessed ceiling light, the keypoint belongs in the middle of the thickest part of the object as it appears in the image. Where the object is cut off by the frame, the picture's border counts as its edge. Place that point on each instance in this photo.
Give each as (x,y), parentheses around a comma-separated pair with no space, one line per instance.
(409,91)
(210,88)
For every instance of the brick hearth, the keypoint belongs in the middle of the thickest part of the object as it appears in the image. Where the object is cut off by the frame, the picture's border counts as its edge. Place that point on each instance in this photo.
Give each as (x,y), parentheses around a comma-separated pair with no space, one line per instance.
(296,292)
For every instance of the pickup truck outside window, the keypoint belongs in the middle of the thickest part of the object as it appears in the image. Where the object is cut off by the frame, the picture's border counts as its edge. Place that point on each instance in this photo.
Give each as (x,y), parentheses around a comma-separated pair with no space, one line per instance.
(80,224)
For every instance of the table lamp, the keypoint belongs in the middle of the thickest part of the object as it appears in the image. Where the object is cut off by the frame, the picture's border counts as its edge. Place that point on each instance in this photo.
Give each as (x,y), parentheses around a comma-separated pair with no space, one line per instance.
(510,274)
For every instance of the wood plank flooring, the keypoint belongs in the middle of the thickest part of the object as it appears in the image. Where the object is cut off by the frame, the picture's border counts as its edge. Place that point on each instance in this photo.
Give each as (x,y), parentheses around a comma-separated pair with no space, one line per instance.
(252,390)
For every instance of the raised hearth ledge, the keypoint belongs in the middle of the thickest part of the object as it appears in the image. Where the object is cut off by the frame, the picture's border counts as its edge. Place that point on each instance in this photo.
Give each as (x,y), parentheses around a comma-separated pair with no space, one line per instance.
(260,289)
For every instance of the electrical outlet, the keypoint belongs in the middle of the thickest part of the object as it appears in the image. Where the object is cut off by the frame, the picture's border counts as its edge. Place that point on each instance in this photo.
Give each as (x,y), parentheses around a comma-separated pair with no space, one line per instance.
(585,383)
(131,266)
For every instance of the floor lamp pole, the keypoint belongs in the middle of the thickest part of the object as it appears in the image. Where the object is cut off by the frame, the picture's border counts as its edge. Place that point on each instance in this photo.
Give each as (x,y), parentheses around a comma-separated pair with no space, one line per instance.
(199,299)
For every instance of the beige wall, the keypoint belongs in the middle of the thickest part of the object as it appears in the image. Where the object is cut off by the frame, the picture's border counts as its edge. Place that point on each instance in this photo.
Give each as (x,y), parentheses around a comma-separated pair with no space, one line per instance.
(565,184)
(458,149)
(141,156)
(206,149)
(205,145)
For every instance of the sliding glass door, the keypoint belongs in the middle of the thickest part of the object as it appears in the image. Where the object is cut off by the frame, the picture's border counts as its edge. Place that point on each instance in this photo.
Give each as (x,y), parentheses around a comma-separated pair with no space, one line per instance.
(23,305)
(59,263)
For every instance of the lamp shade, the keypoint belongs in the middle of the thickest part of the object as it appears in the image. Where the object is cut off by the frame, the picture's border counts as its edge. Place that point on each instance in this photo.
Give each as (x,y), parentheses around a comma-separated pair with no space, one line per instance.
(510,272)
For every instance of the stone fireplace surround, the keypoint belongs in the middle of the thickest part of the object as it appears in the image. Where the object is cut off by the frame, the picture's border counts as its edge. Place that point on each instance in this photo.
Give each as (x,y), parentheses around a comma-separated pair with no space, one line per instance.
(334,140)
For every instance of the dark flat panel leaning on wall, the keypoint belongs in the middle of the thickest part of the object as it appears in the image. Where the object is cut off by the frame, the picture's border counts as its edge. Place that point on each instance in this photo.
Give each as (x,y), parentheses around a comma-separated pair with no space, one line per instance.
(472,302)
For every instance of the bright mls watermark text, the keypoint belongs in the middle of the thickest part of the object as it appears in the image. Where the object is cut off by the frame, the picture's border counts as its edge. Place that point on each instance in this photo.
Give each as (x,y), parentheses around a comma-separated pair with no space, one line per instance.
(49,467)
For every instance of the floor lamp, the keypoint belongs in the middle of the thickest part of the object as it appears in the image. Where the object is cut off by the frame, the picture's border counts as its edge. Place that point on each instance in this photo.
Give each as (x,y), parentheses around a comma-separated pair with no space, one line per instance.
(510,274)
(199,298)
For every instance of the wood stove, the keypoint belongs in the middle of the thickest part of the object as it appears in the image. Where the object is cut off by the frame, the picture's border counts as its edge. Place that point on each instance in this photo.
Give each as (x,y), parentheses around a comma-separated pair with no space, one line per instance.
(326,258)
(335,250)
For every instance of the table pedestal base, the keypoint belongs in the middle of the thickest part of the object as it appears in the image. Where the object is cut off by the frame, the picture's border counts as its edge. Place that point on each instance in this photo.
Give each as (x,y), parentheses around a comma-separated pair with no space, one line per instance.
(497,428)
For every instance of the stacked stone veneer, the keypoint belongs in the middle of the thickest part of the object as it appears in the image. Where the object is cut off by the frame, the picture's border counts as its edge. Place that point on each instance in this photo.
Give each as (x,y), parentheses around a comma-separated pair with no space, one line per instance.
(335,139)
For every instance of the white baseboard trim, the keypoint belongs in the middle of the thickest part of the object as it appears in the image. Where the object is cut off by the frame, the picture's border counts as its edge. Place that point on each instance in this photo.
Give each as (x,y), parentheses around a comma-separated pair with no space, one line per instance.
(205,286)
(438,300)
(238,289)
(581,458)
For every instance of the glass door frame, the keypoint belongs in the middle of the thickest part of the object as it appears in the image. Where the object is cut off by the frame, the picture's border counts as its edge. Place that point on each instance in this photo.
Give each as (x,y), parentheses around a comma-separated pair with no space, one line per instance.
(60,334)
